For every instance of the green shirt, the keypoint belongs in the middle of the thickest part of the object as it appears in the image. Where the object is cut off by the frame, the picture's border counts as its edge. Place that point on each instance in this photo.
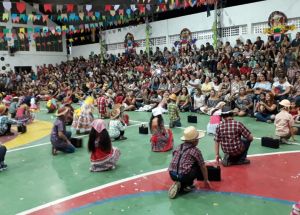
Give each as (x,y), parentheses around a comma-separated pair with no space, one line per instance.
(173,111)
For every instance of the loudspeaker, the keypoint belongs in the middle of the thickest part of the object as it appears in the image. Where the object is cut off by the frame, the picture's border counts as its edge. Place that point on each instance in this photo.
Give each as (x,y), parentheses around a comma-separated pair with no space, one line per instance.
(77,142)
(214,173)
(270,142)
(143,129)
(192,119)
(22,129)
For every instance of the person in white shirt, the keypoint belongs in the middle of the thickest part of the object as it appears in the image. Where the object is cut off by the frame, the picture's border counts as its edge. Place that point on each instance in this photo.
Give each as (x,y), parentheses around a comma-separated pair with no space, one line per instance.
(281,88)
(193,83)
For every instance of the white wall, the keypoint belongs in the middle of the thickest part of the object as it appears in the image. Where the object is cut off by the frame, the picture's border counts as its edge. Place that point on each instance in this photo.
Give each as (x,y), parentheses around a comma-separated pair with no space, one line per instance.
(247,15)
(32,57)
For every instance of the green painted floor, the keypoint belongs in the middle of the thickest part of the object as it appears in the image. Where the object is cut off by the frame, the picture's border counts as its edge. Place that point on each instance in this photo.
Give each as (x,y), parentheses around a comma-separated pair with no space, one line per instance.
(35,177)
(193,203)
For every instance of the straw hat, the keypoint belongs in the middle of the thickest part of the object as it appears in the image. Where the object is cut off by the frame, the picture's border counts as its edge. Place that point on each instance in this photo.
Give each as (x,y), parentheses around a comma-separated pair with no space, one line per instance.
(2,109)
(285,103)
(115,113)
(157,111)
(61,111)
(190,133)
(173,97)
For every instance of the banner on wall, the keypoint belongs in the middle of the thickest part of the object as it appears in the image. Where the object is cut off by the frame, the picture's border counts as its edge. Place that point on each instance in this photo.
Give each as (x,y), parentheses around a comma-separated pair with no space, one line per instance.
(278,26)
(129,43)
(186,41)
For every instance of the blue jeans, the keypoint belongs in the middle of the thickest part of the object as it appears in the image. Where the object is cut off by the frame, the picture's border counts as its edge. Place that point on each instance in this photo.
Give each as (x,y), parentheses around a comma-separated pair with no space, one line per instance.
(2,153)
(263,117)
(66,148)
(243,155)
(176,123)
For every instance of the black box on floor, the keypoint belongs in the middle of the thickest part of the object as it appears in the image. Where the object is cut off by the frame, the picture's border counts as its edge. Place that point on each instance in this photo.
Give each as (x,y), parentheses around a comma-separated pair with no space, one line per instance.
(77,142)
(192,119)
(214,173)
(22,129)
(270,142)
(143,129)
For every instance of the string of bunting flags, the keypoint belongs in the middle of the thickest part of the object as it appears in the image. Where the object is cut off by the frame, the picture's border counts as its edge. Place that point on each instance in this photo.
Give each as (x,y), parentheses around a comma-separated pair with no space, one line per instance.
(82,18)
(110,13)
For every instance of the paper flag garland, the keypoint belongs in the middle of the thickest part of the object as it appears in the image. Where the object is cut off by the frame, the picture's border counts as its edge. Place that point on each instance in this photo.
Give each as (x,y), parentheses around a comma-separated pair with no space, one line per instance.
(21,7)
(7,5)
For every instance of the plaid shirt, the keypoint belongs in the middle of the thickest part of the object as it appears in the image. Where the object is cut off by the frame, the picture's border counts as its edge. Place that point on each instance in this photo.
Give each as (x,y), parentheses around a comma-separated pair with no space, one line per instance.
(173,111)
(229,134)
(191,156)
(102,103)
(4,121)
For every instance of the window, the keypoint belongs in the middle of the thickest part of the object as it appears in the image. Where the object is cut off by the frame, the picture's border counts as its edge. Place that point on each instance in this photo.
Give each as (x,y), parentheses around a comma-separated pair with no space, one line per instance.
(49,43)
(21,42)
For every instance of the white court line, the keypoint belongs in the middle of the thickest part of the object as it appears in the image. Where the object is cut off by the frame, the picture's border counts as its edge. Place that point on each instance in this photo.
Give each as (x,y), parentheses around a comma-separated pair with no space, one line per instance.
(124,180)
(47,143)
(140,123)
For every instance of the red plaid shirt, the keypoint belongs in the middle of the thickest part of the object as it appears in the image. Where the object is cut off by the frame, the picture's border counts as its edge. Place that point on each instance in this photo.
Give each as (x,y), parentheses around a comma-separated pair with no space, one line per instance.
(102,103)
(190,157)
(229,134)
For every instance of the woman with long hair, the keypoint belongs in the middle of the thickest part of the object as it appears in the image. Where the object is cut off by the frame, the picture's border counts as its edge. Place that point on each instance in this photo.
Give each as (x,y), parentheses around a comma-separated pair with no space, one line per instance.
(243,103)
(162,138)
(103,155)
(184,100)
(266,109)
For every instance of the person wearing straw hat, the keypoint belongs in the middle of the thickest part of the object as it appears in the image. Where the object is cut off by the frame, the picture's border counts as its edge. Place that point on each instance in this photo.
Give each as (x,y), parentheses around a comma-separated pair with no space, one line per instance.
(234,138)
(60,138)
(6,122)
(173,111)
(117,125)
(284,122)
(187,163)
(103,155)
(162,138)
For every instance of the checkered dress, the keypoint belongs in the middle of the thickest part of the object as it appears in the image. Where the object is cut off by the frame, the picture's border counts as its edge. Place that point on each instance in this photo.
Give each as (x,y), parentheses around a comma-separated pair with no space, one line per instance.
(190,157)
(229,134)
(102,103)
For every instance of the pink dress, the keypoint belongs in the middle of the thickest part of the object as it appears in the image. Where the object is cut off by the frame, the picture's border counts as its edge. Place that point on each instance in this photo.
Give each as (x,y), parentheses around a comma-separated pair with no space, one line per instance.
(214,121)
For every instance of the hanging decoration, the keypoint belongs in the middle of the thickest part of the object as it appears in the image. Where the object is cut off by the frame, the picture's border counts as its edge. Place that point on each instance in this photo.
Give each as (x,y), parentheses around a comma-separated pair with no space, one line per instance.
(129,44)
(278,26)
(186,41)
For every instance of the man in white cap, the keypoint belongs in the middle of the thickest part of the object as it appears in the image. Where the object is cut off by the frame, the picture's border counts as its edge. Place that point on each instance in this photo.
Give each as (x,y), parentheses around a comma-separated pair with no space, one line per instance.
(234,139)
(187,163)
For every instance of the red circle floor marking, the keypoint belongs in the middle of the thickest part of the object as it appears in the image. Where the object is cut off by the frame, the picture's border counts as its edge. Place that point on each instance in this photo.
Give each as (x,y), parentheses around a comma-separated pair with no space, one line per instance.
(272,176)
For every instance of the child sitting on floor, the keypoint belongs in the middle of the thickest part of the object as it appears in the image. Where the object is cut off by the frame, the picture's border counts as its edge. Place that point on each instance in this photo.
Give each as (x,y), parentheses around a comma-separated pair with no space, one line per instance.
(215,118)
